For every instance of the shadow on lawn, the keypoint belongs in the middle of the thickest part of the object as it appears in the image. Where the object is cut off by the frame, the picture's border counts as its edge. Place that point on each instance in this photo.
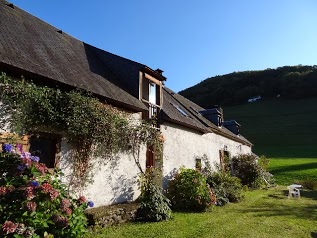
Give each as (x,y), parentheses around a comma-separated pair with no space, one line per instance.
(273,205)
(295,167)
(309,194)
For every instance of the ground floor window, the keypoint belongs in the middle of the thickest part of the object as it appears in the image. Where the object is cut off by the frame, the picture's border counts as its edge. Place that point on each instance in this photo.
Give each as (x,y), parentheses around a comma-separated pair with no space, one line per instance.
(47,147)
(224,157)
(150,157)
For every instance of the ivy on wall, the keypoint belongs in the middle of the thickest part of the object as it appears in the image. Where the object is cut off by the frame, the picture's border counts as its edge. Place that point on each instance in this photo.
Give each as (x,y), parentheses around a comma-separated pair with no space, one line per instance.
(96,130)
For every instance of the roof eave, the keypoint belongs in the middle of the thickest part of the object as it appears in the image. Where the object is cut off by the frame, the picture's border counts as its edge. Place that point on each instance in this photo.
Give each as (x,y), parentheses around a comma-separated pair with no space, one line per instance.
(153,73)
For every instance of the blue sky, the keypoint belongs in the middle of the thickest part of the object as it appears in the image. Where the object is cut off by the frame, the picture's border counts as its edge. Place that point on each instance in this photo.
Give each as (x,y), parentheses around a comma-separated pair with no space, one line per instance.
(191,40)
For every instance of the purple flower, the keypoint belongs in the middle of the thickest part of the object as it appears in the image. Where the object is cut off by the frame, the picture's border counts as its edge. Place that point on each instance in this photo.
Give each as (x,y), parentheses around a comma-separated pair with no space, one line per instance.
(35,159)
(21,167)
(7,148)
(35,184)
(25,155)
(19,147)
(90,203)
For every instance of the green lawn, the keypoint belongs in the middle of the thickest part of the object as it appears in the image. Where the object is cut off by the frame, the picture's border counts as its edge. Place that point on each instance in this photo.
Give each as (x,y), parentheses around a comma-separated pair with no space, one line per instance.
(278,127)
(264,213)
(293,170)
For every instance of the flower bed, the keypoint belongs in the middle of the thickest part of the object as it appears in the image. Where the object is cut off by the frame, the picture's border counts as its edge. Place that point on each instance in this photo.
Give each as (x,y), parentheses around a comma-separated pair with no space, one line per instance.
(33,202)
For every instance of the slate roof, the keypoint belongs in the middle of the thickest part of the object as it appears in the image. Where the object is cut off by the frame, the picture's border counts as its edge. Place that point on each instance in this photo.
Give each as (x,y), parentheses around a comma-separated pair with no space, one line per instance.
(31,45)
(194,119)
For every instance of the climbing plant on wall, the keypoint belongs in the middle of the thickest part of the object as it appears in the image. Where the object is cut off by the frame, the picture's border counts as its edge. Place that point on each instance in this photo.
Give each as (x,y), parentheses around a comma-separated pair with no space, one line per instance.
(94,129)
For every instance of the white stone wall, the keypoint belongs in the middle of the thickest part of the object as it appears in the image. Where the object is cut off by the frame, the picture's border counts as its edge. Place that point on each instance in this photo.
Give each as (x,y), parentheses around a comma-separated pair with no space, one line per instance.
(182,145)
(114,181)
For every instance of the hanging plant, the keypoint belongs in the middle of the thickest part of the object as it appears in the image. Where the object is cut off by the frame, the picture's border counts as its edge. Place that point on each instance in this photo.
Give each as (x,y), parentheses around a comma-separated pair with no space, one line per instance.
(96,130)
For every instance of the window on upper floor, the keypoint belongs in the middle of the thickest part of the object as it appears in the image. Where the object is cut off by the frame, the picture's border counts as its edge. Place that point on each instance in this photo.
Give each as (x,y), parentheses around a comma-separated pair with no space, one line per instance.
(151,92)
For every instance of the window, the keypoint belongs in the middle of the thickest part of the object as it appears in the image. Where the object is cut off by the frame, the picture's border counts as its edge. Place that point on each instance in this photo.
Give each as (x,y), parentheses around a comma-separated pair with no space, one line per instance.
(224,157)
(150,157)
(198,164)
(152,93)
(47,147)
(180,110)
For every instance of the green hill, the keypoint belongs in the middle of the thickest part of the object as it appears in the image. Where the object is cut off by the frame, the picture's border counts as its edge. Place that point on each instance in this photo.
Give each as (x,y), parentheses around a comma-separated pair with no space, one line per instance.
(279,127)
(291,82)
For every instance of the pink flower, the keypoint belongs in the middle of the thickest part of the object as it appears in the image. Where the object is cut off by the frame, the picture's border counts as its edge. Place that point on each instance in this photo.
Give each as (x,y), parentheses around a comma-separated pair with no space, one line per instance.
(53,194)
(46,187)
(3,190)
(9,227)
(82,199)
(68,211)
(31,206)
(29,193)
(65,203)
(41,167)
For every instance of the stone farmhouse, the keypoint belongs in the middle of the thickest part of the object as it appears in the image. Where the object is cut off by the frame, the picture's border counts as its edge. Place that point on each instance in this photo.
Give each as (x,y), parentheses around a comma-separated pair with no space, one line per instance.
(49,56)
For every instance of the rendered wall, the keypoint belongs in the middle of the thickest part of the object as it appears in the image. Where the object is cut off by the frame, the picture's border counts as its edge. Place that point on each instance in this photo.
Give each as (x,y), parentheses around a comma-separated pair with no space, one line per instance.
(115,180)
(182,145)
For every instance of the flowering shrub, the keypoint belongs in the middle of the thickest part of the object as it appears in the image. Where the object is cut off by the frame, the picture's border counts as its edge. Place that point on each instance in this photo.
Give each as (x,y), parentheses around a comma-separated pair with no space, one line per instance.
(226,187)
(189,191)
(251,171)
(33,202)
(154,206)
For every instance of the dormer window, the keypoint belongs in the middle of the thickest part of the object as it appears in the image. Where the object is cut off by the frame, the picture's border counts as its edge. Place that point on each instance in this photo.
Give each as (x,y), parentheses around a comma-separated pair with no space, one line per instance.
(214,115)
(150,94)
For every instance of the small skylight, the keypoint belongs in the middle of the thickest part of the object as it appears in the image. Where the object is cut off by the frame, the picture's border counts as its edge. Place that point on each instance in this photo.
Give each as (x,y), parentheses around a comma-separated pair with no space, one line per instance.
(181,110)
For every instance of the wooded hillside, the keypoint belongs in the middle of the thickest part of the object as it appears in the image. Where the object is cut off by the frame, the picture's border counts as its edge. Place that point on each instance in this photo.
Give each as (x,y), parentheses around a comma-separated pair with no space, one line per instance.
(289,82)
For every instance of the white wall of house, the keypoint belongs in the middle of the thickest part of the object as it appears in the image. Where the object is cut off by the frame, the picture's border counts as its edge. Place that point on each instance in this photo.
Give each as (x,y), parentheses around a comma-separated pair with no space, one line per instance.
(114,180)
(182,145)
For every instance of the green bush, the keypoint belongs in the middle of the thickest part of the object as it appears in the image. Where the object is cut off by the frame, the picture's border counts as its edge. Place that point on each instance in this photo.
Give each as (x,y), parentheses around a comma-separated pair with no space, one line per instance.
(227,188)
(189,191)
(154,206)
(247,168)
(33,202)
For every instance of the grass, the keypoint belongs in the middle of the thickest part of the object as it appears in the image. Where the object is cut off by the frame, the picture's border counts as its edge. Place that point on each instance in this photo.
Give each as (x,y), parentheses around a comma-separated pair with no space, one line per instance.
(293,170)
(263,213)
(278,127)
